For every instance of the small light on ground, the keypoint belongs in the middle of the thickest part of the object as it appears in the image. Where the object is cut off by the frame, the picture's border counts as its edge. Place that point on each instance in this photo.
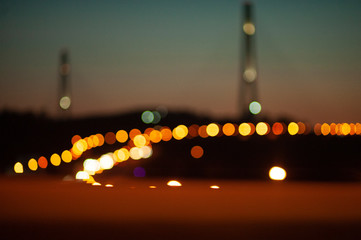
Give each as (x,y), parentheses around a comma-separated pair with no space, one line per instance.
(277,173)
(152,187)
(214,187)
(96,184)
(109,185)
(174,183)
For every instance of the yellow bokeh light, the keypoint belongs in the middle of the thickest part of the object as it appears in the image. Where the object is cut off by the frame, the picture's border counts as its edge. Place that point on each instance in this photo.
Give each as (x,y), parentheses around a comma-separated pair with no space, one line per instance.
(139,141)
(180,132)
(18,168)
(123,154)
(293,128)
(174,183)
(66,156)
(277,173)
(121,136)
(244,129)
(100,138)
(249,28)
(346,129)
(325,129)
(91,166)
(33,164)
(228,129)
(55,159)
(212,129)
(262,128)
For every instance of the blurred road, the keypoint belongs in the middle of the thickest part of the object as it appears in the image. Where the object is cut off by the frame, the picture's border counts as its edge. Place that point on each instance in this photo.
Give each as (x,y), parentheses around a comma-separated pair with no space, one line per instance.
(46,207)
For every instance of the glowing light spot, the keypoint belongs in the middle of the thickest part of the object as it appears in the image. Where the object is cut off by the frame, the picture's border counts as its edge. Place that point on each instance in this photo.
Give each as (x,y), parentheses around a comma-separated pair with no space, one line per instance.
(106,162)
(100,139)
(82,175)
(333,129)
(249,28)
(293,128)
(65,103)
(346,129)
(277,128)
(90,180)
(244,129)
(123,154)
(193,130)
(33,164)
(147,151)
(136,153)
(155,136)
(317,129)
(174,183)
(180,132)
(139,172)
(96,184)
(325,129)
(255,107)
(202,131)
(109,185)
(147,117)
(301,128)
(139,141)
(277,173)
(166,134)
(134,132)
(250,75)
(66,156)
(228,129)
(152,187)
(121,136)
(75,138)
(157,117)
(91,166)
(197,151)
(262,128)
(18,168)
(214,187)
(55,159)
(110,138)
(212,129)
(42,162)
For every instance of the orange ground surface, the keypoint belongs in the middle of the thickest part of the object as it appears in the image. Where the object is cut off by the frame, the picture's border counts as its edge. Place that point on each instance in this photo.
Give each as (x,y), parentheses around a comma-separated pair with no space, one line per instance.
(44,207)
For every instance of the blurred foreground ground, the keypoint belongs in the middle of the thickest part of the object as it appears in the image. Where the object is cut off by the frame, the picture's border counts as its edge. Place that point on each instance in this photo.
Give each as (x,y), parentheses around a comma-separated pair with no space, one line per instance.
(46,207)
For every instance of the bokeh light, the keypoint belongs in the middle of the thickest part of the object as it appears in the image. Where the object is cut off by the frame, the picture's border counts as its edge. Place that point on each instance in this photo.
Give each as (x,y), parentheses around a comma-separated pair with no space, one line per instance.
(293,128)
(33,164)
(157,117)
(110,138)
(197,151)
(174,183)
(250,75)
(121,136)
(91,166)
(155,136)
(255,107)
(65,102)
(202,131)
(228,129)
(278,128)
(55,159)
(166,134)
(277,173)
(140,141)
(249,28)
(42,162)
(244,129)
(134,132)
(262,128)
(212,129)
(147,117)
(66,156)
(325,129)
(82,175)
(18,168)
(106,161)
(180,132)
(136,153)
(139,172)
(214,187)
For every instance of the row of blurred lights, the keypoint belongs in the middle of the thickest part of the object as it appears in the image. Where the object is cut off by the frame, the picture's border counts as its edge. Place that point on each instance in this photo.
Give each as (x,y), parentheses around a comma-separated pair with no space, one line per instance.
(139,144)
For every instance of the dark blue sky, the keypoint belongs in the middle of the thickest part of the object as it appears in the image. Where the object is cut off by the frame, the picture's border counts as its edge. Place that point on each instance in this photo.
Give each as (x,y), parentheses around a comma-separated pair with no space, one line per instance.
(184,55)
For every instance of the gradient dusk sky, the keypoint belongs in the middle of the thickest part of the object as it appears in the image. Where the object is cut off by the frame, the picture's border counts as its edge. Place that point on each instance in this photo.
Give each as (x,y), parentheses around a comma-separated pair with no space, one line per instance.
(182,54)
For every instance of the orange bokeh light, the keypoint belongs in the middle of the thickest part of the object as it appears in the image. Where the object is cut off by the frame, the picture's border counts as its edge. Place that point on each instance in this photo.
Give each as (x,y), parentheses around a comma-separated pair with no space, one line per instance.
(202,131)
(42,162)
(228,129)
(197,151)
(166,134)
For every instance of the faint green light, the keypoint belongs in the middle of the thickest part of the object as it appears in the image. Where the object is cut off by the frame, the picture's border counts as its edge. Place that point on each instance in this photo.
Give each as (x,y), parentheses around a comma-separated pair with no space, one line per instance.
(255,107)
(147,117)
(156,117)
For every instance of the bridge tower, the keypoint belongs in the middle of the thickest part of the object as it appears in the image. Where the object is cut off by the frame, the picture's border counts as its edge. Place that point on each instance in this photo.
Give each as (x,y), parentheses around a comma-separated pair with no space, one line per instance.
(64,101)
(249,104)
